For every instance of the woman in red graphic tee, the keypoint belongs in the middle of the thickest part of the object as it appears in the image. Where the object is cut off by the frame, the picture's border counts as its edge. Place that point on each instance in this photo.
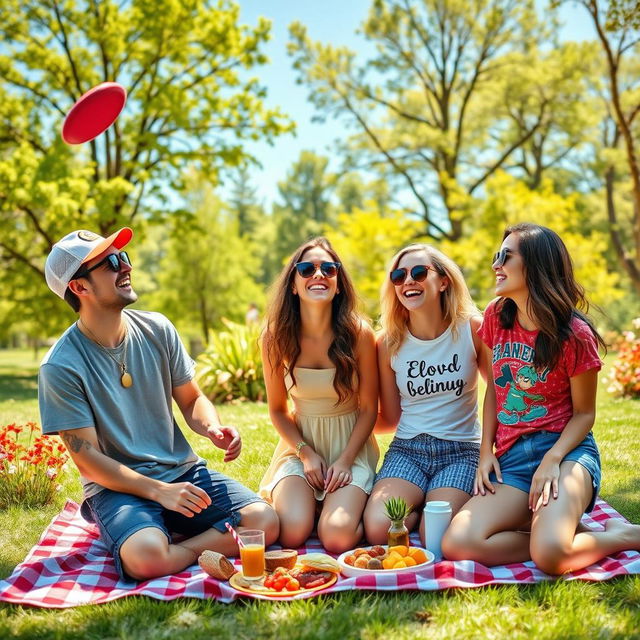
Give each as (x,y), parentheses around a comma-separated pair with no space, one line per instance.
(544,472)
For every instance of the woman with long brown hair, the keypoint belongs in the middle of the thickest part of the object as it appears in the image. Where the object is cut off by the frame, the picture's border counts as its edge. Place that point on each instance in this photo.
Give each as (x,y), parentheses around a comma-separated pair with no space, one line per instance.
(539,462)
(319,352)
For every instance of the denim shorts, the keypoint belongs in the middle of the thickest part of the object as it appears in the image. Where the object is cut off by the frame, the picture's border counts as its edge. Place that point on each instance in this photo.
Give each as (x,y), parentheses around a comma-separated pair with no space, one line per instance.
(120,515)
(431,463)
(519,463)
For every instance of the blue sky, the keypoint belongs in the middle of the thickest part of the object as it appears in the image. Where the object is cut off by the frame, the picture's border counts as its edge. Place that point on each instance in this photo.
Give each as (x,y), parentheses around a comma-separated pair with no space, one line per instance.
(336,22)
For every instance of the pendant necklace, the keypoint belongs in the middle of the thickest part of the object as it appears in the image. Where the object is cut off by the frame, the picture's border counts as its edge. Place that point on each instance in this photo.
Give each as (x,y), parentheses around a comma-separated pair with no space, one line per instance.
(125,377)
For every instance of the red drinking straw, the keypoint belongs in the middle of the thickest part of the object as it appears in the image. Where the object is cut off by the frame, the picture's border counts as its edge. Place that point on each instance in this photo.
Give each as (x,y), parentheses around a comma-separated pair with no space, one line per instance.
(234,533)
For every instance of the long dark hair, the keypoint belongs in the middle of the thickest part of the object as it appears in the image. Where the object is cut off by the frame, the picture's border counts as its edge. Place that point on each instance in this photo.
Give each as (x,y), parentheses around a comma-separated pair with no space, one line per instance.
(282,333)
(554,295)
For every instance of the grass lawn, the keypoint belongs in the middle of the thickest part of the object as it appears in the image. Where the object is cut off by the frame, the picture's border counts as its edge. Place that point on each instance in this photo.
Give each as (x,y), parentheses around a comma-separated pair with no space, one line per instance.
(552,610)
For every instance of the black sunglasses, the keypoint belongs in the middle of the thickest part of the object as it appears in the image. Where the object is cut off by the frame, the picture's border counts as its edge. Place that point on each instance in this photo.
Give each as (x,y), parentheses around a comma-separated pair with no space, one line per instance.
(500,257)
(418,273)
(327,269)
(113,260)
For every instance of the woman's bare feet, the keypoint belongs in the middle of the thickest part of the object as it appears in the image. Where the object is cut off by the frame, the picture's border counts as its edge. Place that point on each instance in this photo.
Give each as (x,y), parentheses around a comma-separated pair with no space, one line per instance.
(629,534)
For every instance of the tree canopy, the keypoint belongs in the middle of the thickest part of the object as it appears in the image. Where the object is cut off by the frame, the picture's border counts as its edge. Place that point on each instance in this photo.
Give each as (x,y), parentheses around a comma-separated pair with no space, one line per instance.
(420,104)
(462,117)
(192,101)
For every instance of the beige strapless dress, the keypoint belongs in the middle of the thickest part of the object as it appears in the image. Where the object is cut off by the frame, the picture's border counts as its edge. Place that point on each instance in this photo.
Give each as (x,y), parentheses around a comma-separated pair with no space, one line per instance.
(326,427)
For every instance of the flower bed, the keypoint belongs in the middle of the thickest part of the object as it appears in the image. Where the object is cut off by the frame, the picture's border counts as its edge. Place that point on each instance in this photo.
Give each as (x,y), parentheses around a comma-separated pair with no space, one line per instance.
(29,472)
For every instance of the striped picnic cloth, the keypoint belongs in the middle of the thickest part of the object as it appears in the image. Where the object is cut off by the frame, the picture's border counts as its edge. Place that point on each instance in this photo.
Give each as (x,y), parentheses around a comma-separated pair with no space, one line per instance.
(69,566)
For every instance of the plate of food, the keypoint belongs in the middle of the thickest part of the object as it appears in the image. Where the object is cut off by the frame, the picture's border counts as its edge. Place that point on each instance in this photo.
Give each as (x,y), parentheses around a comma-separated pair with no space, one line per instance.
(287,574)
(380,559)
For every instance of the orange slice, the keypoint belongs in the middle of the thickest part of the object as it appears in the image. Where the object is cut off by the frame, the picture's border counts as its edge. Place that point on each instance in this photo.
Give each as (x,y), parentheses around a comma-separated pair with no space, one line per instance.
(418,555)
(400,549)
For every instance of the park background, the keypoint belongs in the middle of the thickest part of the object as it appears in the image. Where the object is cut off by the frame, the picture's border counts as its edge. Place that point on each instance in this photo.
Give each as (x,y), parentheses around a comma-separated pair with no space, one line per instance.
(251,126)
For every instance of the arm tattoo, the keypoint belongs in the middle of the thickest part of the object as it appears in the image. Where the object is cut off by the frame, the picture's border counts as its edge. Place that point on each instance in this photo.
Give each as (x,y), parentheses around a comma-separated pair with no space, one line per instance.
(74,443)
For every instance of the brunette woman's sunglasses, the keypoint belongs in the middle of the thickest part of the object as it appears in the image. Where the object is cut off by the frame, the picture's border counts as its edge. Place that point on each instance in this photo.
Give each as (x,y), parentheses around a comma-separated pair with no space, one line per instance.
(418,273)
(308,269)
(113,261)
(500,257)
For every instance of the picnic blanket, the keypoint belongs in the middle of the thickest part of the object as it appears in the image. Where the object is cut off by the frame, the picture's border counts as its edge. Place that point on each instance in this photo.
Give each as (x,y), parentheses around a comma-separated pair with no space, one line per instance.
(69,566)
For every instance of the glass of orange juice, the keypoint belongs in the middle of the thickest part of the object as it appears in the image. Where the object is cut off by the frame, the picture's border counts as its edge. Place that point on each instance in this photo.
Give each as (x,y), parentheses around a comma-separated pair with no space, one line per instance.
(252,553)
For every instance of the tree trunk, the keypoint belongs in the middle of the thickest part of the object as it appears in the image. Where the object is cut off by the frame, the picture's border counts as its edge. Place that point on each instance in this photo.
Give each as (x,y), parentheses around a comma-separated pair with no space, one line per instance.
(630,260)
(627,263)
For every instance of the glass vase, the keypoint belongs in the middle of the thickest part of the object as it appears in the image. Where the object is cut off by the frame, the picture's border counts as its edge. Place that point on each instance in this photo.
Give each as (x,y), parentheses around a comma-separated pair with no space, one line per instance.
(398,534)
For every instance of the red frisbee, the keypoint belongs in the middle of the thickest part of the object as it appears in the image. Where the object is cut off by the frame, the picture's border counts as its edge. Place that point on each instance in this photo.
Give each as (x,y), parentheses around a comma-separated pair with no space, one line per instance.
(94,112)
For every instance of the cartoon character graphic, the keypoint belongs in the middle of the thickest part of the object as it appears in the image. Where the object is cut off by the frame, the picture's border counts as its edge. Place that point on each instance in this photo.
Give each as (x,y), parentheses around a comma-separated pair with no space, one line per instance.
(515,409)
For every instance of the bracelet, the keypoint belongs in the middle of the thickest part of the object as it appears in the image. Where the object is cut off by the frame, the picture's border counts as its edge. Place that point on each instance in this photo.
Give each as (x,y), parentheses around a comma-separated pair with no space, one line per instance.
(299,446)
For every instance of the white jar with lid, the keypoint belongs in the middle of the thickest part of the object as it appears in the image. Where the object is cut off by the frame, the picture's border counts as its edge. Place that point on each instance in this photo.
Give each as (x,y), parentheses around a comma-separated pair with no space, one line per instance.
(437,516)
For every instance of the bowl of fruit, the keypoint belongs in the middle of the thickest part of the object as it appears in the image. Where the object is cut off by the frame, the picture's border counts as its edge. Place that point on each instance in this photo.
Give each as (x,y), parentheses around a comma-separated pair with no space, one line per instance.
(379,559)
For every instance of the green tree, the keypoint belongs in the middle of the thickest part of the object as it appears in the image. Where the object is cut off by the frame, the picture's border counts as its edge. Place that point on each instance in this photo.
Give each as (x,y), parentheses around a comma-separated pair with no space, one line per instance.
(552,88)
(305,203)
(307,188)
(206,272)
(510,201)
(623,13)
(243,201)
(365,240)
(419,102)
(352,192)
(618,31)
(191,100)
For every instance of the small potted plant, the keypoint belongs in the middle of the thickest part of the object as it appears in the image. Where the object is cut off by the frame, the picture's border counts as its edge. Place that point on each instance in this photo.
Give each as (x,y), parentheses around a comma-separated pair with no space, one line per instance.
(397,510)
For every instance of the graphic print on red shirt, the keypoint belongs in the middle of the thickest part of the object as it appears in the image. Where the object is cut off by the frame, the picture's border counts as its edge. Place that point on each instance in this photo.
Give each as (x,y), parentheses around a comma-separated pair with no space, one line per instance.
(527,399)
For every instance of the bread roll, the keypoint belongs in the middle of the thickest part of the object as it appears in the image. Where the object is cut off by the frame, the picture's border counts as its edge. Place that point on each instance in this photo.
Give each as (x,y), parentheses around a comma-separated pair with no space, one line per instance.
(216,565)
(283,558)
(320,561)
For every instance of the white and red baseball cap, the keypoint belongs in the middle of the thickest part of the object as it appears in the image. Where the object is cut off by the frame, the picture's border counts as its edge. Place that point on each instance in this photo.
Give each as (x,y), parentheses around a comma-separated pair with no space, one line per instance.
(76,248)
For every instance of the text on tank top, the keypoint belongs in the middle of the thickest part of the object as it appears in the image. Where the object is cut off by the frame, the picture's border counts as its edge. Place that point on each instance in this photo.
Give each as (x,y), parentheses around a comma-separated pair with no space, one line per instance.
(438,380)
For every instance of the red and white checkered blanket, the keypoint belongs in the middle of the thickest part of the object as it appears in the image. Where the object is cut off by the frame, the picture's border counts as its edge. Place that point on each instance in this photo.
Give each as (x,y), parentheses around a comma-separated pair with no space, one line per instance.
(69,566)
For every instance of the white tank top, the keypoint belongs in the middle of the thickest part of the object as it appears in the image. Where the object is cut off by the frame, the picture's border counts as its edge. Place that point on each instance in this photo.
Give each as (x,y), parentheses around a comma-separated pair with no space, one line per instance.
(438,384)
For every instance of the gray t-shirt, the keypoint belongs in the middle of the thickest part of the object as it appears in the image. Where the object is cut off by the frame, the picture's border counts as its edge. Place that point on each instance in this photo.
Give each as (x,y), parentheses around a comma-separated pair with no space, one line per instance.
(79,386)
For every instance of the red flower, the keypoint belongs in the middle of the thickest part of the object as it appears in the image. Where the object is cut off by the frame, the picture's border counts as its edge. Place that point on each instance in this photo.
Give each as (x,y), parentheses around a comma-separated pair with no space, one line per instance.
(12,428)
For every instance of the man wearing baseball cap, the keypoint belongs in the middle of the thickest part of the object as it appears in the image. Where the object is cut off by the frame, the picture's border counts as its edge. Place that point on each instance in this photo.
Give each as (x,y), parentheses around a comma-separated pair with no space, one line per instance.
(106,387)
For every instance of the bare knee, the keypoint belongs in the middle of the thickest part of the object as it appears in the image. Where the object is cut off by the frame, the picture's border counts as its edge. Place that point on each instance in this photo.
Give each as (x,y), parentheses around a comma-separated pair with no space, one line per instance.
(376,527)
(260,515)
(146,556)
(454,545)
(339,535)
(551,556)
(295,528)
(459,541)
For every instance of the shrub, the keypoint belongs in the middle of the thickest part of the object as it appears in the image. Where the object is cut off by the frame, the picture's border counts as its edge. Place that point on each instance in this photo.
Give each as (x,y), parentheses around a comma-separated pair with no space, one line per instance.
(230,368)
(28,473)
(624,377)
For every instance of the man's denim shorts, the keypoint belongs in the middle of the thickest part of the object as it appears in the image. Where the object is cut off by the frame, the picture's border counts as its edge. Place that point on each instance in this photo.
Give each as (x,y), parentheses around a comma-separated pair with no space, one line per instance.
(431,463)
(120,515)
(519,463)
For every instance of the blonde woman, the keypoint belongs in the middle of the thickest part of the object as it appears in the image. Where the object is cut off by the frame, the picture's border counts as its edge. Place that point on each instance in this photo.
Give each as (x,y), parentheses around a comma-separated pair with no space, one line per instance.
(429,356)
